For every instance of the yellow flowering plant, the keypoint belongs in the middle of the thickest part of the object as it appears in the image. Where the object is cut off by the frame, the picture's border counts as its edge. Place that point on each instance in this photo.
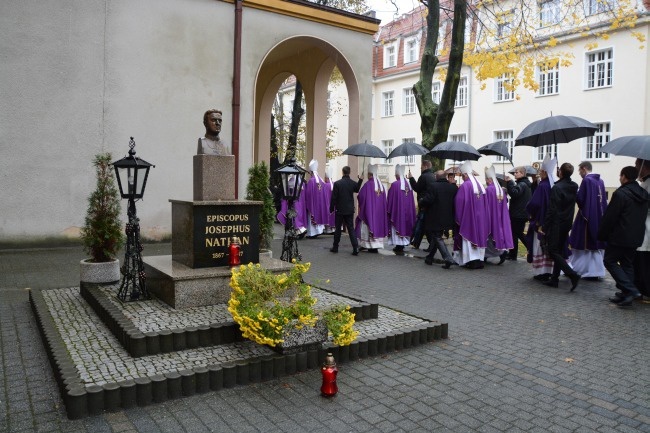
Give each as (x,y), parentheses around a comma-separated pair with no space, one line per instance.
(265,305)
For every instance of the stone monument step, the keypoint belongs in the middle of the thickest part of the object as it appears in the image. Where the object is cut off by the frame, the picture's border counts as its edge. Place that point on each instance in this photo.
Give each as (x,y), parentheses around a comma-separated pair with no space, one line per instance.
(96,374)
(151,327)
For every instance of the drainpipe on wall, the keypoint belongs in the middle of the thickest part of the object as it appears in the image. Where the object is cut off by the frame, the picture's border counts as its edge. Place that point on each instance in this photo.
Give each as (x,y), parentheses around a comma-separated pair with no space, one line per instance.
(236,84)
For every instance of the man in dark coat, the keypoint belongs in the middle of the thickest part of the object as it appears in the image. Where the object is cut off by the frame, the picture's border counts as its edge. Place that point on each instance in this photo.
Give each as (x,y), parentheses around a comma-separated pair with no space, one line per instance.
(420,187)
(342,203)
(623,228)
(438,203)
(557,224)
(520,193)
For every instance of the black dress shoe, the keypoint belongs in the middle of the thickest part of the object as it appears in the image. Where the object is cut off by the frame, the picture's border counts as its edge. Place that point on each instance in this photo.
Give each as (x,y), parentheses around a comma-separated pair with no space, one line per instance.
(502,258)
(355,252)
(542,277)
(334,250)
(448,264)
(616,299)
(428,261)
(551,283)
(626,301)
(575,279)
(373,250)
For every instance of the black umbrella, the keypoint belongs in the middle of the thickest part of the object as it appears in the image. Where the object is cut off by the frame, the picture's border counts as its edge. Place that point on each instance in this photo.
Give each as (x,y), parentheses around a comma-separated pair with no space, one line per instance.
(530,170)
(636,146)
(364,149)
(555,129)
(408,149)
(498,148)
(456,150)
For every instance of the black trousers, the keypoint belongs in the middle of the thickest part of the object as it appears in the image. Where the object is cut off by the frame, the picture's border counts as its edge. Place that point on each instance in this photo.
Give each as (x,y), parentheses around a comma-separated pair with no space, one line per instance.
(517,227)
(437,244)
(559,262)
(642,272)
(348,220)
(619,262)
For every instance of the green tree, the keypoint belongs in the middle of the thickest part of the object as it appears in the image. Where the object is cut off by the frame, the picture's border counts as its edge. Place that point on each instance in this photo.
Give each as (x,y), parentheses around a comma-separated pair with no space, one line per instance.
(102,234)
(258,190)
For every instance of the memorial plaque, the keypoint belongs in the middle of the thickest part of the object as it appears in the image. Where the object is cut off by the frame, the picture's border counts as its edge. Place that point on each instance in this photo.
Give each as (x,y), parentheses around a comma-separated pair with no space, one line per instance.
(215,226)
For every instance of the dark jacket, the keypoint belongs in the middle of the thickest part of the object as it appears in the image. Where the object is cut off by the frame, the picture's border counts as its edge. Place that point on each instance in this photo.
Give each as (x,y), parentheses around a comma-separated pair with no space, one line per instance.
(559,215)
(426,179)
(623,224)
(343,195)
(520,193)
(438,203)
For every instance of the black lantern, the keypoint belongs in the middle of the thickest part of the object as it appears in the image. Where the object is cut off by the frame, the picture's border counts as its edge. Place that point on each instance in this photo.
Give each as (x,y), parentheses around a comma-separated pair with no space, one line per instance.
(132,173)
(293,179)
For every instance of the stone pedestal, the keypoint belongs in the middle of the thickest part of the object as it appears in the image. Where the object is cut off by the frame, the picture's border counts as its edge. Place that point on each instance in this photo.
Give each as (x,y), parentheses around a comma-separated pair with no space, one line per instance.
(214,177)
(183,287)
(201,231)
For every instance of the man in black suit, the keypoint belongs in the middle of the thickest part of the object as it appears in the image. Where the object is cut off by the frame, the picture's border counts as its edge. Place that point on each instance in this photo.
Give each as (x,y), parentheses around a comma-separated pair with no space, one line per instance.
(520,192)
(558,222)
(425,180)
(438,203)
(342,203)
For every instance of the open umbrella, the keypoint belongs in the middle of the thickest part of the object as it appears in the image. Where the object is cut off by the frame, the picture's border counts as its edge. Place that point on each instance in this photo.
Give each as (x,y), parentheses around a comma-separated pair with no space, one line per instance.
(456,150)
(408,149)
(530,170)
(636,146)
(364,149)
(498,148)
(555,129)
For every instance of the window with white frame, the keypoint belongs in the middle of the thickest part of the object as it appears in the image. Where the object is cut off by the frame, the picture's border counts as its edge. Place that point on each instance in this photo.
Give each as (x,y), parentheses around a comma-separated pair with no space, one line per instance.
(411,158)
(502,91)
(548,149)
(598,140)
(387,103)
(548,78)
(461,93)
(411,50)
(458,137)
(549,12)
(507,136)
(436,91)
(593,7)
(408,105)
(600,68)
(504,24)
(388,147)
(390,55)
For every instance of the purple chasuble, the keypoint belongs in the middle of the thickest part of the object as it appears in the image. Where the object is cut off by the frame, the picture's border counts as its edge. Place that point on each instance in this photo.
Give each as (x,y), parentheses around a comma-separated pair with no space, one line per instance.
(401,208)
(372,211)
(592,203)
(327,187)
(317,201)
(300,221)
(471,215)
(499,218)
(537,206)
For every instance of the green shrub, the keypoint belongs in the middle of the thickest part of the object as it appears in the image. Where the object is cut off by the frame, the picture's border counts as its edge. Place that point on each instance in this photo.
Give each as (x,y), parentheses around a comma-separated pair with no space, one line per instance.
(258,190)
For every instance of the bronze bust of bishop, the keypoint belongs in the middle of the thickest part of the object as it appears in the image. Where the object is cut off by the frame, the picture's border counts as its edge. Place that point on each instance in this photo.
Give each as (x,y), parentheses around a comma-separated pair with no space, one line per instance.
(211,144)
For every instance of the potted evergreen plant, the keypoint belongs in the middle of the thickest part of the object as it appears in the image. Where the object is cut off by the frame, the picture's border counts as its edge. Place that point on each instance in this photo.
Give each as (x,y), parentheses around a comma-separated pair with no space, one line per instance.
(102,233)
(258,190)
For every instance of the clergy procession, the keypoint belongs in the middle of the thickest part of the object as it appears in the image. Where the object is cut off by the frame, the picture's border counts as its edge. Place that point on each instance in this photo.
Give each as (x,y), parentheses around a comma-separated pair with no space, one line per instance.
(564,229)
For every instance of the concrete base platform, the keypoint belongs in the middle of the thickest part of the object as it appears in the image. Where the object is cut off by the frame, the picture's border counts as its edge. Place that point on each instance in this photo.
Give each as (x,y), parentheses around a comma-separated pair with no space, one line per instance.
(183,287)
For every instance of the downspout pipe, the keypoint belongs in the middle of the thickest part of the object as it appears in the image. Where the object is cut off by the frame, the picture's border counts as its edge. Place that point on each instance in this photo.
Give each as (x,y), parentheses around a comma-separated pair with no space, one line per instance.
(236,90)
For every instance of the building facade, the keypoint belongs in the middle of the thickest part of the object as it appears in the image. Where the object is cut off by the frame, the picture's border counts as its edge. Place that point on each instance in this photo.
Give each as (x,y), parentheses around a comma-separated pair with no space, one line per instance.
(607,84)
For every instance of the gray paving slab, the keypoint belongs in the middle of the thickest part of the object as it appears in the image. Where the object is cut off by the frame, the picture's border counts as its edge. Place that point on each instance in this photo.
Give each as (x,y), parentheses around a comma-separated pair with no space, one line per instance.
(520,357)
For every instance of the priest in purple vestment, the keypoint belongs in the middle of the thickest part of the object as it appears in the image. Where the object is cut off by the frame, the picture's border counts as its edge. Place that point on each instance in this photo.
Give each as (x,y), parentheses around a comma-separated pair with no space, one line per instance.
(500,237)
(316,202)
(472,220)
(401,211)
(371,225)
(587,251)
(328,187)
(536,208)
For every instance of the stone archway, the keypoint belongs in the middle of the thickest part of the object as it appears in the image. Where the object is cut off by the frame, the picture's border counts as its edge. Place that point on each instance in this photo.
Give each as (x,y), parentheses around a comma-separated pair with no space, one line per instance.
(312,61)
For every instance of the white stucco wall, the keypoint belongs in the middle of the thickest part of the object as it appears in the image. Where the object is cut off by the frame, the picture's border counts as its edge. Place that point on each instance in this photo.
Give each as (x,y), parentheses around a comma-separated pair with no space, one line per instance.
(79,78)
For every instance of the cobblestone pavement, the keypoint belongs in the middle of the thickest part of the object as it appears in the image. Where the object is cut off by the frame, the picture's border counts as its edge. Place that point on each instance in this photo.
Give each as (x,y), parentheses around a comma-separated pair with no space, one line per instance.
(520,357)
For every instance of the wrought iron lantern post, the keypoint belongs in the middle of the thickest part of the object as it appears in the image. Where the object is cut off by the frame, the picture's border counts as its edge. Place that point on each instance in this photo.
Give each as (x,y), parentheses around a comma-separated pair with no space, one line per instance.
(132,173)
(293,179)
